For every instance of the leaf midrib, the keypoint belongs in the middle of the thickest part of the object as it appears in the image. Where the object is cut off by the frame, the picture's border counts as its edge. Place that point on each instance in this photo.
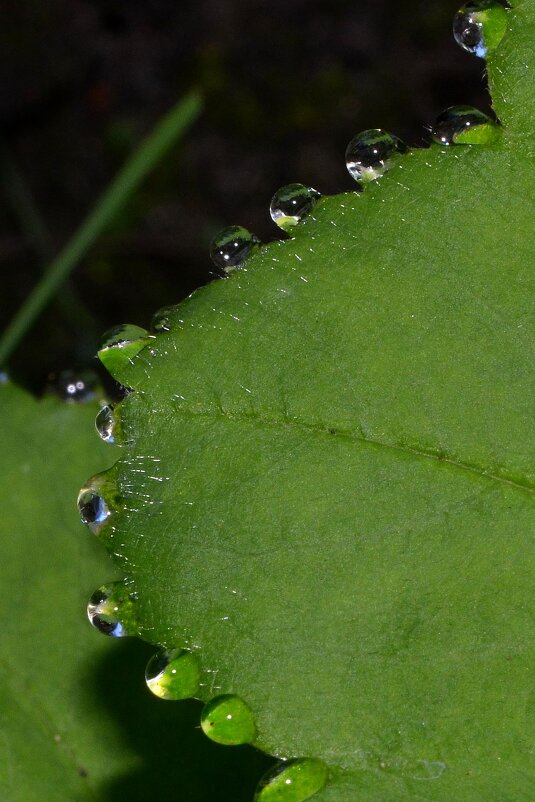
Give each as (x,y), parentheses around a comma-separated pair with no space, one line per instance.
(521,484)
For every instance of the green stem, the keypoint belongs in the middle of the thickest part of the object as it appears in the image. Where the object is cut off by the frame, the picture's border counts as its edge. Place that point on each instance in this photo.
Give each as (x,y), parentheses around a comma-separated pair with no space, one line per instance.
(168,131)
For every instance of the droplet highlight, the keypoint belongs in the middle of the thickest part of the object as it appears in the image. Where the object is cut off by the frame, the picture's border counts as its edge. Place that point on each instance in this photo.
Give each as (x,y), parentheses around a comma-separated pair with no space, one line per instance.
(96,502)
(464,125)
(231,247)
(291,204)
(112,610)
(106,424)
(372,153)
(228,720)
(173,674)
(292,781)
(479,27)
(75,387)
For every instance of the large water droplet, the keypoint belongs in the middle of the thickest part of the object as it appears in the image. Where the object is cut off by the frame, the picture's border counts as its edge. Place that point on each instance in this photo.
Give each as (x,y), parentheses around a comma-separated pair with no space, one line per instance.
(120,345)
(229,721)
(161,320)
(96,501)
(479,27)
(120,336)
(173,674)
(231,247)
(464,125)
(372,153)
(93,509)
(292,203)
(106,423)
(111,610)
(292,781)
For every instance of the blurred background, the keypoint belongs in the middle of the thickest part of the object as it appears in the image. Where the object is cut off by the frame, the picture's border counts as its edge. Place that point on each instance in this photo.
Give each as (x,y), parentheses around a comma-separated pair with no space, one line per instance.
(285,84)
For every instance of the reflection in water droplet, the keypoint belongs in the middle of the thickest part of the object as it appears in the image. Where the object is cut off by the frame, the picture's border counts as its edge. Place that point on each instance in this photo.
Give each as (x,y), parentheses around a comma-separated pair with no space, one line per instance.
(292,781)
(372,153)
(4,377)
(231,247)
(173,674)
(111,610)
(464,125)
(228,720)
(292,203)
(105,424)
(479,27)
(96,501)
(161,320)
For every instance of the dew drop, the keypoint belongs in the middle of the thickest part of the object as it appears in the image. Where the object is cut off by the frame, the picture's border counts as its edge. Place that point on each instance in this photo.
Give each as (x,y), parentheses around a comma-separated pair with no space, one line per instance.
(292,781)
(111,610)
(120,336)
(106,424)
(229,721)
(479,27)
(96,502)
(93,509)
(120,345)
(173,674)
(464,125)
(231,247)
(161,320)
(291,204)
(372,153)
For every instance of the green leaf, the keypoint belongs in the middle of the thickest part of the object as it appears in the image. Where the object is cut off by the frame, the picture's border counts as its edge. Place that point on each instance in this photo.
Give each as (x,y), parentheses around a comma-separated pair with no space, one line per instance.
(328,474)
(75,723)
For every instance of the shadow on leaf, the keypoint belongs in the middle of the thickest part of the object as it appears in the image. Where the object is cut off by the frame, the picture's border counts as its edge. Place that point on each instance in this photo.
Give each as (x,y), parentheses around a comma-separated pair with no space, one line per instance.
(175,756)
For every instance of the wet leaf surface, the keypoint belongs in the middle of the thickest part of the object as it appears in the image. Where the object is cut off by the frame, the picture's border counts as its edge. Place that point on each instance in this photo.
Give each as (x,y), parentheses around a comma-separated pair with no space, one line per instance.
(328,474)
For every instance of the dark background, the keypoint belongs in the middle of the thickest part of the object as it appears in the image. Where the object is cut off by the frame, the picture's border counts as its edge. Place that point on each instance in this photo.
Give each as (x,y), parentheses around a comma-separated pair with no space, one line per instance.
(286,83)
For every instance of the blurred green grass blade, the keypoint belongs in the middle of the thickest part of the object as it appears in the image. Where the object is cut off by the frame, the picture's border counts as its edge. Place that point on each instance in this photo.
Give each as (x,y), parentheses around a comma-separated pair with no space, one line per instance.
(167,133)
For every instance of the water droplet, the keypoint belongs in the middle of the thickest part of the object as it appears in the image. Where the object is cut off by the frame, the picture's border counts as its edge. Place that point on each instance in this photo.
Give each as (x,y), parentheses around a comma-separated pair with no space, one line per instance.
(231,247)
(292,781)
(93,509)
(122,335)
(75,387)
(228,720)
(464,125)
(96,501)
(161,320)
(372,153)
(120,345)
(173,674)
(106,424)
(111,610)
(291,204)
(4,377)
(479,27)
